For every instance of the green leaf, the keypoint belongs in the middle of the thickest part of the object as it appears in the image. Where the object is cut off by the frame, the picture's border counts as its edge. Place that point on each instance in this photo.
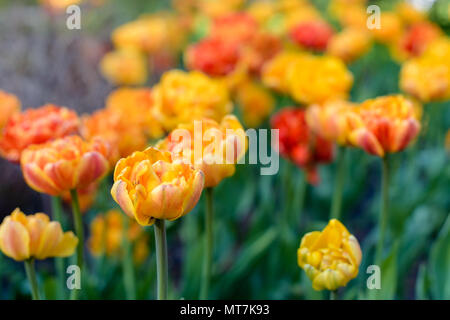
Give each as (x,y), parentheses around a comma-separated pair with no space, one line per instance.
(389,279)
(422,283)
(440,264)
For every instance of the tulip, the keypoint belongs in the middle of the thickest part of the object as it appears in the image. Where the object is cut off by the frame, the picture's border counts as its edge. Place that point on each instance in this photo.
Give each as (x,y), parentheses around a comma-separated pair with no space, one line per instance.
(313,35)
(299,143)
(255,102)
(389,124)
(124,67)
(36,126)
(181,97)
(214,149)
(330,257)
(334,121)
(350,44)
(25,238)
(63,165)
(9,105)
(151,187)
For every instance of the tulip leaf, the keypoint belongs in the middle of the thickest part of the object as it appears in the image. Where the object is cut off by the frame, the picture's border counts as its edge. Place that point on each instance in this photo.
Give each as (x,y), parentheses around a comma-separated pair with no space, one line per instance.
(440,264)
(389,272)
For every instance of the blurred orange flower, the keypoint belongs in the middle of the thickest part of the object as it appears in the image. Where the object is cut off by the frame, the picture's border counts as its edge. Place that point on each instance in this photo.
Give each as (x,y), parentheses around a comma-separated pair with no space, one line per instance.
(299,144)
(334,120)
(389,124)
(9,105)
(239,27)
(124,67)
(391,28)
(149,185)
(222,145)
(275,71)
(127,122)
(350,44)
(35,126)
(255,101)
(107,232)
(65,164)
(181,97)
(34,236)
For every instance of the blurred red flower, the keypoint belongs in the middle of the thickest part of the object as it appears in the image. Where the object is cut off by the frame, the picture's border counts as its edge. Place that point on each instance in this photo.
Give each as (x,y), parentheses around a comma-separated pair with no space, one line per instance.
(299,144)
(313,35)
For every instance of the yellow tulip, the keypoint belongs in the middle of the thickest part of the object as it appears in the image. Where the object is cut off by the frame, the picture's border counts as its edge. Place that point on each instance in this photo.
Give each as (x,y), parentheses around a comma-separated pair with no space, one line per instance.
(149,185)
(222,145)
(330,257)
(34,237)
(124,67)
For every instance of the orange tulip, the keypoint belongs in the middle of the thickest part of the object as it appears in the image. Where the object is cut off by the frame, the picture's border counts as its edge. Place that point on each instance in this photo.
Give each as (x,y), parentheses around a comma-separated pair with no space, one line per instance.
(334,120)
(35,126)
(255,102)
(181,97)
(222,145)
(9,105)
(149,185)
(350,44)
(34,236)
(389,124)
(65,164)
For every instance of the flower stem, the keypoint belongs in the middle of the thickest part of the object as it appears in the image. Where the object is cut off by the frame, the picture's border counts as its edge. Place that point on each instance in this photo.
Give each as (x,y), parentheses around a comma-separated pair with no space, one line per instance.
(59,262)
(334,295)
(382,222)
(209,242)
(128,268)
(336,203)
(31,274)
(161,259)
(78,227)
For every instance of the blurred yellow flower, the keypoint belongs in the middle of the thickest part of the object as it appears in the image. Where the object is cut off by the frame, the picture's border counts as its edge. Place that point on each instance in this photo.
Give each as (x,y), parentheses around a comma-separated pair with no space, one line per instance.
(181,97)
(9,104)
(150,33)
(149,185)
(350,44)
(107,232)
(330,257)
(349,13)
(222,145)
(408,13)
(427,77)
(124,67)
(315,79)
(255,101)
(34,236)
(274,73)
(391,28)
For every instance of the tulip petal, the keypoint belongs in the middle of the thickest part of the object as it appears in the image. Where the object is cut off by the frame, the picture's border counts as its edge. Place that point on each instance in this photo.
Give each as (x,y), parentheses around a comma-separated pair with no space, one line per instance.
(66,247)
(50,238)
(120,194)
(38,180)
(93,166)
(14,240)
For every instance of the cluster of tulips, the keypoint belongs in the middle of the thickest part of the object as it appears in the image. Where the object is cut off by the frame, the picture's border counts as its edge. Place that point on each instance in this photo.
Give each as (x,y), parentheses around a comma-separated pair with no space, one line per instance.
(253,56)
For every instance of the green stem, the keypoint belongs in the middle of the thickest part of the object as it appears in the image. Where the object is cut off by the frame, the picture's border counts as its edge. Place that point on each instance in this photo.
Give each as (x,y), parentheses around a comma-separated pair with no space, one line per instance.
(59,262)
(382,222)
(336,203)
(31,274)
(299,198)
(334,295)
(209,243)
(128,268)
(78,227)
(161,259)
